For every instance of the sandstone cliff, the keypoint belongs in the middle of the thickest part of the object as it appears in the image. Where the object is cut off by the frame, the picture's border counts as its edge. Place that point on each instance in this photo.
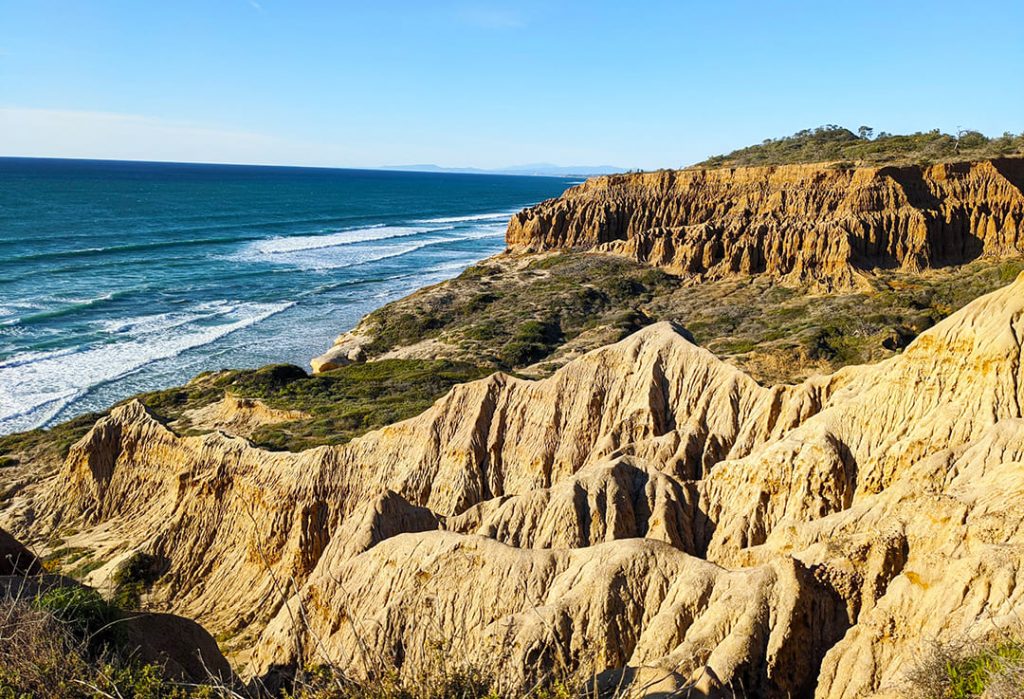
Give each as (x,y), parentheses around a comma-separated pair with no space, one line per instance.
(798,222)
(647,507)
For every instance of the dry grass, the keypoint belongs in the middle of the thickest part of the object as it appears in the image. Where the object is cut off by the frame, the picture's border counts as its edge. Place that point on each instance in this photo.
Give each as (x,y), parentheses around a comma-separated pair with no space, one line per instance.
(64,644)
(37,654)
(992,668)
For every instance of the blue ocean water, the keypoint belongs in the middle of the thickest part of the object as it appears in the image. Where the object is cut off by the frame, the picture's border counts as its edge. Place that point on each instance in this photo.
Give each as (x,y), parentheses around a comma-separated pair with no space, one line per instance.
(121,277)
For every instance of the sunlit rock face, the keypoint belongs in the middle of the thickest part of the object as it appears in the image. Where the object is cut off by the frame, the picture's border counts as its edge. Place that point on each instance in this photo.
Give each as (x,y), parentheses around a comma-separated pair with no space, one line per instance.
(809,223)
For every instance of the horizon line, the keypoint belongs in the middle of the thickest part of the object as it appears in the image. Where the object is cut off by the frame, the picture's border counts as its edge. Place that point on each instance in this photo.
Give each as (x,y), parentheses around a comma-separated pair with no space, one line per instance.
(442,169)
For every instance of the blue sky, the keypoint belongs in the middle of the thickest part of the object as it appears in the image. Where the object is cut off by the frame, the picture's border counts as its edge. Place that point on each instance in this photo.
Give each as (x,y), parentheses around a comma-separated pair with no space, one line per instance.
(488,84)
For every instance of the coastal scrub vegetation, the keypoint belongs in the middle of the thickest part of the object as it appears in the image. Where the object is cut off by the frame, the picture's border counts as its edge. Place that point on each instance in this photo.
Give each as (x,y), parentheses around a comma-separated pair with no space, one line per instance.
(341,404)
(65,643)
(508,317)
(535,318)
(43,444)
(832,143)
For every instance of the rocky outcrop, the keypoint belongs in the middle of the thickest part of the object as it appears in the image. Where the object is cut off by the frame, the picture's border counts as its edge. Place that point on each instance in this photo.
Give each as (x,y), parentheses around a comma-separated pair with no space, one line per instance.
(809,223)
(15,559)
(619,499)
(630,602)
(214,506)
(180,646)
(646,508)
(239,416)
(347,349)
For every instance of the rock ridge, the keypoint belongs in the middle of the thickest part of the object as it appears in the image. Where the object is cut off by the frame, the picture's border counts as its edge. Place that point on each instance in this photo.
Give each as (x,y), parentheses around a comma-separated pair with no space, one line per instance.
(647,507)
(821,223)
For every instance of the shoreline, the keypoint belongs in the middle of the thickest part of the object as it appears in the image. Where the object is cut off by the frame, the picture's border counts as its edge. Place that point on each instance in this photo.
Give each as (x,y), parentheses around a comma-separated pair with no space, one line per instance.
(207,268)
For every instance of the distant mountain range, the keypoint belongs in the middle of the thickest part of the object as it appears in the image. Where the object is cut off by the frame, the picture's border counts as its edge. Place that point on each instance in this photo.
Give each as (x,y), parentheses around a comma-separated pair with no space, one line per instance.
(535,169)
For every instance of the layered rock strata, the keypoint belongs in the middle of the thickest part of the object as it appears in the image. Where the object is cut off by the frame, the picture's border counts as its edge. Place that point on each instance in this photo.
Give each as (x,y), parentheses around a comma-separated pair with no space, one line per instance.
(803,223)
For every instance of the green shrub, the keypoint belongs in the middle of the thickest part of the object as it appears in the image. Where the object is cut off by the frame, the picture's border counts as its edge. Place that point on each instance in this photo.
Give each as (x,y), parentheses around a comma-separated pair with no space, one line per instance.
(80,609)
(145,681)
(83,569)
(547,263)
(479,302)
(518,353)
(1009,270)
(835,343)
(538,332)
(349,401)
(652,279)
(630,321)
(401,329)
(475,272)
(65,556)
(482,332)
(623,287)
(969,676)
(46,444)
(134,576)
(736,347)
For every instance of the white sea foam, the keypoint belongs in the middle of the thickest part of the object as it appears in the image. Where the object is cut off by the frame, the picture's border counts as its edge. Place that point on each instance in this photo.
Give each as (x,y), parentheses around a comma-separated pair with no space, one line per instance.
(282,246)
(161,322)
(38,385)
(352,247)
(493,230)
(474,217)
(88,300)
(327,259)
(342,256)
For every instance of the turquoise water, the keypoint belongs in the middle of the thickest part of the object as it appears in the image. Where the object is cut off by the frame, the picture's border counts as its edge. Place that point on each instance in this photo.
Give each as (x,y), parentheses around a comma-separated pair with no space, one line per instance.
(117,277)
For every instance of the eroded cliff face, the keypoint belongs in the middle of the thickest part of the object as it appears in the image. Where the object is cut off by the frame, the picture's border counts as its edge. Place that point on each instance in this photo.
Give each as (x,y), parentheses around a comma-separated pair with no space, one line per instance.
(217,508)
(646,507)
(807,223)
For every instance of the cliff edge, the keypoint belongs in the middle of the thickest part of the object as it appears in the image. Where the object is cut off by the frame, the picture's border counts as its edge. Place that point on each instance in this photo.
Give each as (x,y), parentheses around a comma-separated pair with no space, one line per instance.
(821,223)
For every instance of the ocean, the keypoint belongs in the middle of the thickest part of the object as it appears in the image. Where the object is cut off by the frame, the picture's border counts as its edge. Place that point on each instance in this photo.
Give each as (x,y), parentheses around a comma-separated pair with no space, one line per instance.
(122,277)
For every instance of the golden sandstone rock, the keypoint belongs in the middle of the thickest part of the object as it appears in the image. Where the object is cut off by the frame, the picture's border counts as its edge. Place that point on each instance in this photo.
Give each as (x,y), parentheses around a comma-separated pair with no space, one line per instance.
(239,416)
(646,509)
(804,223)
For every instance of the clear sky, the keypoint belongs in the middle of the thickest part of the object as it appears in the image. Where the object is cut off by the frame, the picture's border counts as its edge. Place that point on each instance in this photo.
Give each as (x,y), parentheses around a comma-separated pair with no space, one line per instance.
(473,83)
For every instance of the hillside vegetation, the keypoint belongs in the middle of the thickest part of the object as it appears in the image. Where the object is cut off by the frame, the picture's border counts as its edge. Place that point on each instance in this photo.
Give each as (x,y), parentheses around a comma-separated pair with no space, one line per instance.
(533,315)
(833,143)
(339,405)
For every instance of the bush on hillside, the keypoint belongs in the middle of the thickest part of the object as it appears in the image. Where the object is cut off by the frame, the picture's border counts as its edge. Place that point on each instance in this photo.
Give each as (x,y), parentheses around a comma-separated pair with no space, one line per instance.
(832,143)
